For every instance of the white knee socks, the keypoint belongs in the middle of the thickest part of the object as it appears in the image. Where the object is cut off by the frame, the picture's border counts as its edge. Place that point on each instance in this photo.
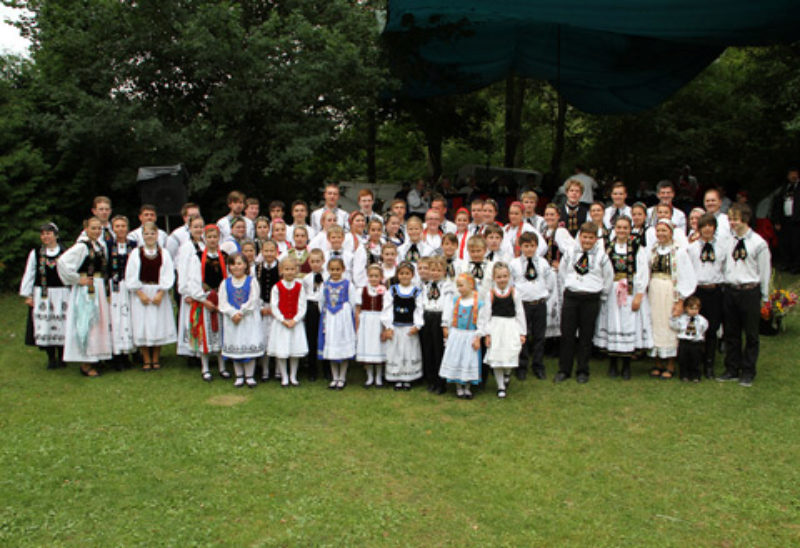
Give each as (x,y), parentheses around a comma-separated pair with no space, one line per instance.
(283,373)
(368,367)
(293,364)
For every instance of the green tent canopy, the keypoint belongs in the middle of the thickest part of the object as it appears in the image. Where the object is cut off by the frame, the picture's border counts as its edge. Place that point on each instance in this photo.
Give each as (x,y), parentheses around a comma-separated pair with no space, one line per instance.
(604,56)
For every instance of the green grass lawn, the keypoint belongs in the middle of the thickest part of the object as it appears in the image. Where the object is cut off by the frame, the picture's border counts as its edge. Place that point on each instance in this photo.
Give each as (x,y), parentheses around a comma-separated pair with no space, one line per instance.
(163,458)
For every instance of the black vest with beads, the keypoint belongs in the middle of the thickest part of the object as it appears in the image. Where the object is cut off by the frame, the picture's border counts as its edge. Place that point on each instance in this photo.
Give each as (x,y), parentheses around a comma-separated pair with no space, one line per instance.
(96,265)
(51,277)
(404,306)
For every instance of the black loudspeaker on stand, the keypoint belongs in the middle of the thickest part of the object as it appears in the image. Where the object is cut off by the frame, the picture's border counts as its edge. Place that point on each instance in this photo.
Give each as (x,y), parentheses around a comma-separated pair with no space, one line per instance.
(164,187)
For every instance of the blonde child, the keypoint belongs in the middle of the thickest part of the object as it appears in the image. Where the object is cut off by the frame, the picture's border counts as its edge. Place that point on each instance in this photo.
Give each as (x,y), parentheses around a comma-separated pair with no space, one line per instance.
(402,319)
(463,327)
(150,275)
(505,319)
(336,250)
(370,347)
(313,285)
(299,252)
(338,324)
(287,338)
(267,274)
(477,265)
(242,331)
(414,247)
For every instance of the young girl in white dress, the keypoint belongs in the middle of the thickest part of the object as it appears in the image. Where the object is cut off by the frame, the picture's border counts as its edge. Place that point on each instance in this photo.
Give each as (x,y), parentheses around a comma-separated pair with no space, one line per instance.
(120,249)
(623,324)
(47,296)
(239,301)
(371,347)
(402,318)
(87,336)
(337,326)
(149,277)
(201,274)
(267,273)
(506,327)
(369,253)
(463,327)
(287,338)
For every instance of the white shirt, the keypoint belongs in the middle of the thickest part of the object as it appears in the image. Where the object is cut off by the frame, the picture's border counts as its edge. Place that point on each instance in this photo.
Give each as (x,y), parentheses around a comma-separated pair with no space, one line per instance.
(589,185)
(137,237)
(312,291)
(290,232)
(755,268)
(540,287)
(678,218)
(175,240)
(723,226)
(224,225)
(710,272)
(342,219)
(598,279)
(424,249)
(416,203)
(680,323)
(624,211)
(446,291)
(510,235)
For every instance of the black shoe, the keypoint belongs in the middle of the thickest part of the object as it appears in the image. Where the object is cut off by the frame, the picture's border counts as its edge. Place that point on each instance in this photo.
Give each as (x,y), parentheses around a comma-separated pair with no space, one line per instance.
(746,382)
(582,378)
(540,374)
(626,372)
(613,373)
(728,376)
(560,377)
(521,373)
(441,389)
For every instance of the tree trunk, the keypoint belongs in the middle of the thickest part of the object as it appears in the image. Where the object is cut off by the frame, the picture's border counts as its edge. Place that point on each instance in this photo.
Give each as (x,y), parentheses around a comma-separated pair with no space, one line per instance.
(515,96)
(434,140)
(558,146)
(372,138)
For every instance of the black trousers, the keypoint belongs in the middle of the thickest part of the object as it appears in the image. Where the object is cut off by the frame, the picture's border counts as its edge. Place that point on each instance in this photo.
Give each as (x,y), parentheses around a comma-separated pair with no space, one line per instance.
(312,331)
(742,309)
(578,317)
(431,338)
(690,356)
(711,309)
(536,320)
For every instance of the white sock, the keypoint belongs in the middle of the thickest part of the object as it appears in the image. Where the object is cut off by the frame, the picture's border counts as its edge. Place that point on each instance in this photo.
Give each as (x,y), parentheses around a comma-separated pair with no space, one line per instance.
(460,389)
(336,368)
(249,369)
(221,363)
(281,362)
(293,363)
(467,391)
(500,377)
(379,374)
(237,367)
(204,363)
(368,367)
(343,371)
(264,367)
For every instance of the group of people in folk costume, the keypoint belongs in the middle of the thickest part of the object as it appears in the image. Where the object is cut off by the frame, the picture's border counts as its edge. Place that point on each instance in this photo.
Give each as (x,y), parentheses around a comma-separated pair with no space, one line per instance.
(408,298)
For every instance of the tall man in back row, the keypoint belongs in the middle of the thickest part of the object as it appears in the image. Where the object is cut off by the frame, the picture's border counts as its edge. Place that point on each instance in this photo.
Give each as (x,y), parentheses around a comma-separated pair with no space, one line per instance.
(331,197)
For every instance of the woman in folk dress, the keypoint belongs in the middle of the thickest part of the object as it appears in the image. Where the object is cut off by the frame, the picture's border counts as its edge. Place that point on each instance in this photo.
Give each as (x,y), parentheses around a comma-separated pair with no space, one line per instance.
(47,296)
(623,324)
(87,334)
(149,276)
(672,280)
(558,241)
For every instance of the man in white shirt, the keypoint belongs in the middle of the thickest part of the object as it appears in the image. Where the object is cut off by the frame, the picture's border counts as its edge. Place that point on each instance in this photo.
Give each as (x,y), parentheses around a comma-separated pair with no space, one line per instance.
(235,209)
(147,214)
(618,207)
(666,193)
(588,278)
(181,235)
(366,199)
(747,273)
(418,199)
(439,203)
(588,182)
(708,255)
(331,197)
(712,201)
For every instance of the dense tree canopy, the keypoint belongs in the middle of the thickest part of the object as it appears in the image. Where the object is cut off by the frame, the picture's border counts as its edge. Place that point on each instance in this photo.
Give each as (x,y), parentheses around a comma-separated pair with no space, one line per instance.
(273,97)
